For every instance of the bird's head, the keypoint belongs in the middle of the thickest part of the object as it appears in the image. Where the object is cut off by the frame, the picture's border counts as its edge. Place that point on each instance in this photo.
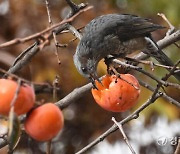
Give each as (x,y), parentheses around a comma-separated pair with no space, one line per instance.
(86,63)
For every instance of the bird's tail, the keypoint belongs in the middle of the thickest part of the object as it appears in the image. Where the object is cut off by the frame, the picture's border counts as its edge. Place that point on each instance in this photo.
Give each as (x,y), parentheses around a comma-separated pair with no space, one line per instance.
(153,50)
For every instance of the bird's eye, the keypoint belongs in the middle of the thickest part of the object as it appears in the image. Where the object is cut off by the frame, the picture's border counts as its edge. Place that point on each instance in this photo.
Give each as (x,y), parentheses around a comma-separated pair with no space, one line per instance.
(84,69)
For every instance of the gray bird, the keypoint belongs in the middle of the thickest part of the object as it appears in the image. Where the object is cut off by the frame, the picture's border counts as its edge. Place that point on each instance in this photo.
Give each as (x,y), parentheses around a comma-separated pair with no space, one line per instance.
(118,35)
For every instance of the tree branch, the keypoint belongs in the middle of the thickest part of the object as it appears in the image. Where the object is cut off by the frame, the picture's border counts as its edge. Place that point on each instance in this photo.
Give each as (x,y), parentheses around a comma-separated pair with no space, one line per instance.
(73,96)
(139,69)
(166,97)
(79,92)
(134,115)
(39,34)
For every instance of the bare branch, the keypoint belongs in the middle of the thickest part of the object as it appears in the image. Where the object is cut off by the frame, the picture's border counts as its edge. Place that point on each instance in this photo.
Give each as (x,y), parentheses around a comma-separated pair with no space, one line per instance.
(16,93)
(171,72)
(124,135)
(48,12)
(134,115)
(74,32)
(57,45)
(174,37)
(150,63)
(165,96)
(55,85)
(41,33)
(139,69)
(156,94)
(73,96)
(79,92)
(74,7)
(171,27)
(39,87)
(29,54)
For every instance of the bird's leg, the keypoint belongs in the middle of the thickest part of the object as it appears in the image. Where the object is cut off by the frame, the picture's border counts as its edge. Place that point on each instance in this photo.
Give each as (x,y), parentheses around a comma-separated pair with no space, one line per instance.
(93,82)
(94,85)
(112,69)
(118,75)
(108,61)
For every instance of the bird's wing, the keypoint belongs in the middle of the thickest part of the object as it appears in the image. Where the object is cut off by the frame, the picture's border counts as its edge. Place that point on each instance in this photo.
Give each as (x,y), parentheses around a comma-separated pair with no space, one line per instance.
(130,26)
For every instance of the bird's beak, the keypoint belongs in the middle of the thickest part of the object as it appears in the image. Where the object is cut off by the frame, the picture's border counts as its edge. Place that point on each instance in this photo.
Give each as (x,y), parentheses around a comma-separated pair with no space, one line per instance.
(93,78)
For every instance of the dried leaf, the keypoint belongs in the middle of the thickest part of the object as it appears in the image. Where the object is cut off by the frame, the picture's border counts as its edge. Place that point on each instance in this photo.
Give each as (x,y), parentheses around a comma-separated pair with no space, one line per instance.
(14,130)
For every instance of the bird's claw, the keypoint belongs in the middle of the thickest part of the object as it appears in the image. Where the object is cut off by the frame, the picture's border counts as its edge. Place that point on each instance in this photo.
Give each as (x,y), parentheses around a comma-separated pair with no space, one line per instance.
(93,79)
(94,85)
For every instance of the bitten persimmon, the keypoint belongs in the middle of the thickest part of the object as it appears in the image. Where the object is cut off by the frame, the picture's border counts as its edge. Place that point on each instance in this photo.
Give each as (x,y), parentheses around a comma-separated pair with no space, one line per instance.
(117,94)
(25,99)
(44,122)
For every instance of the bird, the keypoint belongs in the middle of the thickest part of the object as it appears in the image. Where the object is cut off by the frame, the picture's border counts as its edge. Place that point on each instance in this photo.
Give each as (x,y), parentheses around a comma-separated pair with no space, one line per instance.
(117,35)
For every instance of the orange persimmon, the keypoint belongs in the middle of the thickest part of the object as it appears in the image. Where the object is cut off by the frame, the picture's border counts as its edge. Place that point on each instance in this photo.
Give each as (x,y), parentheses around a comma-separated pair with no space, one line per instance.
(25,99)
(117,94)
(44,122)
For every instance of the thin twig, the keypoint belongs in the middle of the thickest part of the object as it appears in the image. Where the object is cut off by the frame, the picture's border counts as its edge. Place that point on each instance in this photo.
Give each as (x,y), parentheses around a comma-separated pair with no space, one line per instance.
(74,7)
(171,71)
(67,30)
(56,53)
(139,69)
(72,40)
(177,45)
(39,87)
(171,27)
(57,45)
(134,115)
(55,85)
(152,64)
(48,12)
(124,135)
(16,93)
(74,32)
(41,33)
(77,93)
(164,95)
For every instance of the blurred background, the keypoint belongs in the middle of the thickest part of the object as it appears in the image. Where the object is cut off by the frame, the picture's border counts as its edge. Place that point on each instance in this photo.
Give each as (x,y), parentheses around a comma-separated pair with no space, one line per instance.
(158,125)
